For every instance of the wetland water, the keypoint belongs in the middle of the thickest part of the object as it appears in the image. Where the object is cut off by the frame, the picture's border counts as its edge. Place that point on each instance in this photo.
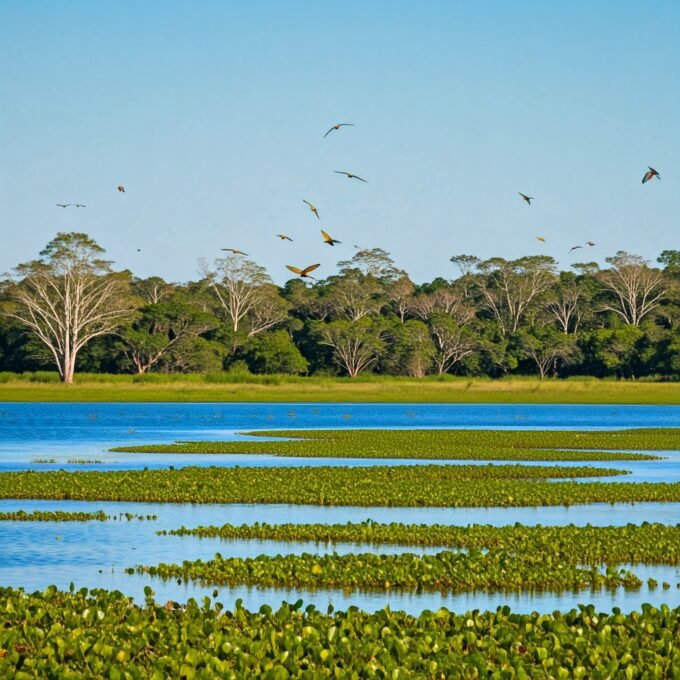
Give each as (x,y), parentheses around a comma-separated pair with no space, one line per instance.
(94,554)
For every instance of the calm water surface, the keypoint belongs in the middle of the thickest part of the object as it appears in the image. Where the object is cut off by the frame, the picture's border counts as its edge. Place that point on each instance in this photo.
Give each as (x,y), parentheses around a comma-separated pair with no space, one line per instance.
(94,554)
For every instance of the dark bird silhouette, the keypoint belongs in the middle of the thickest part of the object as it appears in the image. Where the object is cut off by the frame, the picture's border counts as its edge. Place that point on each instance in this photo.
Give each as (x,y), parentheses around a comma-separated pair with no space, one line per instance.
(312,208)
(528,199)
(304,273)
(650,174)
(63,205)
(327,238)
(80,205)
(541,239)
(121,188)
(349,175)
(589,243)
(235,251)
(283,237)
(337,126)
(575,248)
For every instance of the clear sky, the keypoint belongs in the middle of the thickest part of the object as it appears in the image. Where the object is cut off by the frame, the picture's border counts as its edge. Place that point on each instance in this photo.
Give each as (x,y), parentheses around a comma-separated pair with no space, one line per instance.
(212,114)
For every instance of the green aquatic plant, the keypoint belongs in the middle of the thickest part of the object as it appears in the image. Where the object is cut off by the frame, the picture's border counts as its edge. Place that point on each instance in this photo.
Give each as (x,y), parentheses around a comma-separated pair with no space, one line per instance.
(544,445)
(84,461)
(417,485)
(649,543)
(49,461)
(97,634)
(53,516)
(446,571)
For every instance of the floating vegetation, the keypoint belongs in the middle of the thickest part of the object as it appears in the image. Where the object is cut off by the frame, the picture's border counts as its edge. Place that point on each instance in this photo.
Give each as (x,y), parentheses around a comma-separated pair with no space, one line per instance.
(439,444)
(46,461)
(101,634)
(84,461)
(59,516)
(645,543)
(418,485)
(446,571)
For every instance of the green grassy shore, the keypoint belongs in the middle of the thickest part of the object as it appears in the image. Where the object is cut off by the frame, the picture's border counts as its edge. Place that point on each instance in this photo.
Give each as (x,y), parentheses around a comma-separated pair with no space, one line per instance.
(280,388)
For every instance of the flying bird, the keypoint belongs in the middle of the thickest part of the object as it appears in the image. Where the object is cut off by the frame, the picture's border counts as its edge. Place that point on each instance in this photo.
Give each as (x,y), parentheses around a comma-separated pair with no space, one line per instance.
(283,237)
(63,205)
(327,238)
(304,273)
(80,205)
(312,208)
(349,175)
(528,199)
(575,248)
(235,251)
(541,239)
(121,188)
(589,243)
(650,174)
(337,126)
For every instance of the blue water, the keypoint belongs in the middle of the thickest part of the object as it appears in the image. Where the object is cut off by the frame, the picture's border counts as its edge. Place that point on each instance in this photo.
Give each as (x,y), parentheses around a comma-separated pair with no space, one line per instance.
(95,554)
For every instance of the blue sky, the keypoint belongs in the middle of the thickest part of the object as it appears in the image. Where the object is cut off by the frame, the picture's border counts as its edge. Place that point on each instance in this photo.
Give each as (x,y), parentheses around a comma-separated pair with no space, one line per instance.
(212,115)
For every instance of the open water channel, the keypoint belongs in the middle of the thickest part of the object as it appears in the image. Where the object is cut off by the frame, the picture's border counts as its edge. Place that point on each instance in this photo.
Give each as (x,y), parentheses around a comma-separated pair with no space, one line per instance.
(34,555)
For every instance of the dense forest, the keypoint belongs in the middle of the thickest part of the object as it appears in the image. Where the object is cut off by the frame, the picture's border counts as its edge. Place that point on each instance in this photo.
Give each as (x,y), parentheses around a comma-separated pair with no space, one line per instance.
(71,310)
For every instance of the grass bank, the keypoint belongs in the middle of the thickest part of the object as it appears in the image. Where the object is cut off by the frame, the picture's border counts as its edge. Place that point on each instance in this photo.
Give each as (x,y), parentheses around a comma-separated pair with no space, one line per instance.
(228,388)
(438,444)
(100,634)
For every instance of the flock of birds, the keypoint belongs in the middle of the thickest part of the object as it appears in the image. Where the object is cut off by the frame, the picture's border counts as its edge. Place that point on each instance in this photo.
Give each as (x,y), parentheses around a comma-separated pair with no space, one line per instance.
(329,240)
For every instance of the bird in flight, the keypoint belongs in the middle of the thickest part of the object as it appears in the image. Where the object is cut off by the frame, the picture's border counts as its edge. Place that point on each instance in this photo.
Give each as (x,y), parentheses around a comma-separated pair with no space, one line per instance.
(575,248)
(589,243)
(304,273)
(337,126)
(284,237)
(541,239)
(349,175)
(650,174)
(80,205)
(121,188)
(528,199)
(235,251)
(327,238)
(63,205)
(312,208)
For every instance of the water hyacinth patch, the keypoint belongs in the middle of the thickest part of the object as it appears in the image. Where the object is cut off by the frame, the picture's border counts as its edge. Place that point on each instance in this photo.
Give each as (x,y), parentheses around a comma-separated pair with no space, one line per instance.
(101,634)
(646,543)
(446,571)
(438,444)
(420,485)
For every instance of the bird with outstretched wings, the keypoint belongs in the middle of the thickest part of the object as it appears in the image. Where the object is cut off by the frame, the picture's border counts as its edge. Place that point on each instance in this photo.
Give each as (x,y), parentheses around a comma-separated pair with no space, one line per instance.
(284,237)
(650,174)
(312,207)
(304,273)
(528,199)
(337,126)
(235,251)
(350,175)
(327,238)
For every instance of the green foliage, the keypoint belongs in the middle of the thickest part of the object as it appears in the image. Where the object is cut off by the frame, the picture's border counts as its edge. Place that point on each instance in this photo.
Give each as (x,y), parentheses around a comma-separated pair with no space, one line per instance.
(645,543)
(60,516)
(274,352)
(101,634)
(439,444)
(421,485)
(446,571)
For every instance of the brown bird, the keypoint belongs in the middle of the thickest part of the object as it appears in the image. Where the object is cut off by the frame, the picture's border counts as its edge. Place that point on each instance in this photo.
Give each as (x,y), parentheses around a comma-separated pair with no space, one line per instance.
(337,126)
(651,173)
(349,175)
(589,243)
(63,205)
(283,237)
(121,188)
(327,238)
(235,251)
(541,239)
(304,273)
(528,199)
(575,248)
(312,208)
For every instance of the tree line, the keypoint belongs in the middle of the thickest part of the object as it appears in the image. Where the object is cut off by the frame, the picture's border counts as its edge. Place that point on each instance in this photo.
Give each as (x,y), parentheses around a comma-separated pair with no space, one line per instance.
(71,310)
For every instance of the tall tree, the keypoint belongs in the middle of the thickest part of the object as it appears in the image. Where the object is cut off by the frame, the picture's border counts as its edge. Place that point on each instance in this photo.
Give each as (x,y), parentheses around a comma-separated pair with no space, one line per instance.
(68,297)
(635,289)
